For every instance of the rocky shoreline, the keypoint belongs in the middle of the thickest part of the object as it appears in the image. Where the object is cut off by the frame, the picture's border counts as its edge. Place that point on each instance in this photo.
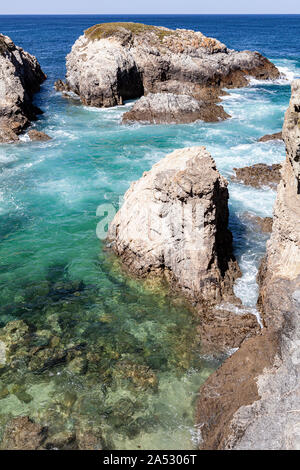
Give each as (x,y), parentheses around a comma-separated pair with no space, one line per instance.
(259,385)
(20,78)
(181,73)
(173,226)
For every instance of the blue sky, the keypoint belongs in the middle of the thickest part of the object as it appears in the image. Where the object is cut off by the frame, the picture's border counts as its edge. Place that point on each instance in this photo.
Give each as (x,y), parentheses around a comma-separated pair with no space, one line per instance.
(153,6)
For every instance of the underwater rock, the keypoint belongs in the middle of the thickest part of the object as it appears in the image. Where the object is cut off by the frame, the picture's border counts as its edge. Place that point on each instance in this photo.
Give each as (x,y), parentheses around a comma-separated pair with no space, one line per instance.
(88,439)
(258,175)
(174,223)
(166,108)
(268,137)
(20,77)
(23,434)
(39,136)
(2,354)
(64,440)
(65,288)
(140,376)
(78,365)
(114,62)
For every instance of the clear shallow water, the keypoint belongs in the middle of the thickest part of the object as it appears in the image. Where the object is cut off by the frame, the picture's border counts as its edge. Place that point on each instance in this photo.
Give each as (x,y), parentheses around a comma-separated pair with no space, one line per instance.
(140,375)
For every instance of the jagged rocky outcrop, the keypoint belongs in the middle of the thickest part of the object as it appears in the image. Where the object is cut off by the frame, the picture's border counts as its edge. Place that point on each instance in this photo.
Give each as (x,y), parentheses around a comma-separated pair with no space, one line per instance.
(20,77)
(268,137)
(258,175)
(257,389)
(262,224)
(114,62)
(174,222)
(167,108)
(38,136)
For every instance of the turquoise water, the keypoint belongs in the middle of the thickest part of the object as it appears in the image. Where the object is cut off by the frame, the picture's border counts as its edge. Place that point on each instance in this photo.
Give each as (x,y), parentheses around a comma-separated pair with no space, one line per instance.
(140,363)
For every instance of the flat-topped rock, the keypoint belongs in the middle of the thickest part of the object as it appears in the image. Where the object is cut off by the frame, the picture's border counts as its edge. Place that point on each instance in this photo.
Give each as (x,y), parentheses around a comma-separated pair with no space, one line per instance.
(268,137)
(174,223)
(167,108)
(114,62)
(20,78)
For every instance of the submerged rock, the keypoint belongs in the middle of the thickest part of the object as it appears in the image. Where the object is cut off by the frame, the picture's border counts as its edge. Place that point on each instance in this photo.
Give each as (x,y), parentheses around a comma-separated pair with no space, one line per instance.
(23,434)
(20,77)
(174,222)
(165,108)
(268,137)
(258,175)
(114,62)
(258,387)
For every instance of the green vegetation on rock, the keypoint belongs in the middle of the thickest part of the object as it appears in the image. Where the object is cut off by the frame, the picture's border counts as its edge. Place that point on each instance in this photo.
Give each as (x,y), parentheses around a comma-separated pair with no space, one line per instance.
(105,30)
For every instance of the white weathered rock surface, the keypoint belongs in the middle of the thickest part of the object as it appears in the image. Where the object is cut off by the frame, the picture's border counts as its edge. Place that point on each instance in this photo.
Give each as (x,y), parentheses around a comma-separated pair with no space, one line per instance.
(166,108)
(174,222)
(20,78)
(114,62)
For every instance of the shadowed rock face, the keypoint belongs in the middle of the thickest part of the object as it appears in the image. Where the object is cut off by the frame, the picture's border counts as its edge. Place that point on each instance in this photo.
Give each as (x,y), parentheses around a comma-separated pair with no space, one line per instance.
(257,389)
(174,222)
(20,78)
(113,62)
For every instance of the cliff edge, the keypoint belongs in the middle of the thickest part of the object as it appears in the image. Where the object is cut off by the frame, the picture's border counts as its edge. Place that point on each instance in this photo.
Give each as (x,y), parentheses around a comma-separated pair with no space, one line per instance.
(253,400)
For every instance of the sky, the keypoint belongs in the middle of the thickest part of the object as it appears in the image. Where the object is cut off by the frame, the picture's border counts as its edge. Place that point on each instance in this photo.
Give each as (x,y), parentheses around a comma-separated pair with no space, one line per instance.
(150,7)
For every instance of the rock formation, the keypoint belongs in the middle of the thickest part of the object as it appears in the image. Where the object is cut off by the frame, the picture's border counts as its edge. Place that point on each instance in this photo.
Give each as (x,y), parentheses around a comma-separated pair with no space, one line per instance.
(258,175)
(114,62)
(268,137)
(20,78)
(174,222)
(38,136)
(262,224)
(167,108)
(257,389)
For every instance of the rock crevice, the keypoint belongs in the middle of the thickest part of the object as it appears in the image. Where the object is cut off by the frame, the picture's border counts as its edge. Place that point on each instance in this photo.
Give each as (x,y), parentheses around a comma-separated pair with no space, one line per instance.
(257,389)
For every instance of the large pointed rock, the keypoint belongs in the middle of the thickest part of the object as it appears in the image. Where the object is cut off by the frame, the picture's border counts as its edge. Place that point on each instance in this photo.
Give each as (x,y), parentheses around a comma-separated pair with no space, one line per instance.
(174,222)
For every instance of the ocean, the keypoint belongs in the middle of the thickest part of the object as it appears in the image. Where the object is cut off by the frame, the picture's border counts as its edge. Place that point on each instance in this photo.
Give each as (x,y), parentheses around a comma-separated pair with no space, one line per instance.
(135,364)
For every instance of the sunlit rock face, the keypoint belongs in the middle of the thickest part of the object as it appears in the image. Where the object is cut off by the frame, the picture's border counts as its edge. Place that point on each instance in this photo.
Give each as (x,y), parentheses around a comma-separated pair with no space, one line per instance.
(20,78)
(258,387)
(174,222)
(113,62)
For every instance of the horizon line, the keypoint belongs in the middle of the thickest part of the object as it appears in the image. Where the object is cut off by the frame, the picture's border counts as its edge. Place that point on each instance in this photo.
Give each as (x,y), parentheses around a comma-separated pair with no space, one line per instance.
(149,14)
